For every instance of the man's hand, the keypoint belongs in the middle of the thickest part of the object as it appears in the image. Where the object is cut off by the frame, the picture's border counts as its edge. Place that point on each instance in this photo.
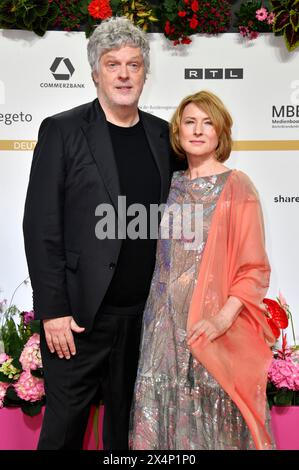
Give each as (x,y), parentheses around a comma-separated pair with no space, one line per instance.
(59,336)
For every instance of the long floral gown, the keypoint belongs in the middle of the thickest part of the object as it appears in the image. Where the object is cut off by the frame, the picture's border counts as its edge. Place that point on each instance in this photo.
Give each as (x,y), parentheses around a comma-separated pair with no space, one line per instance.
(177,403)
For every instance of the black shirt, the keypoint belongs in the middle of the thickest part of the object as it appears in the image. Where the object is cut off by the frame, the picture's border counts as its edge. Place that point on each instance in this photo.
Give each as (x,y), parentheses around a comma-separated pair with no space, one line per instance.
(140,182)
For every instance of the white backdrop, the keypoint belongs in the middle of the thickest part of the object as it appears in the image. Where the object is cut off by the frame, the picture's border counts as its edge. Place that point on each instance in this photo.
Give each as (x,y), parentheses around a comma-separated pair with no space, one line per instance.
(266,146)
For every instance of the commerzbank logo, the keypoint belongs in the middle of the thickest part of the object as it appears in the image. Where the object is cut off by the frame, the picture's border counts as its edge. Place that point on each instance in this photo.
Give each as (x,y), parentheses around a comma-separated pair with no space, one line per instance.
(62,70)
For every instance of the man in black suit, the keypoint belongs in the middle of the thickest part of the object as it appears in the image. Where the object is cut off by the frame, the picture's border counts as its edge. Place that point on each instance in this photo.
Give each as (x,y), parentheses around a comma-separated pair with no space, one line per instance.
(89,293)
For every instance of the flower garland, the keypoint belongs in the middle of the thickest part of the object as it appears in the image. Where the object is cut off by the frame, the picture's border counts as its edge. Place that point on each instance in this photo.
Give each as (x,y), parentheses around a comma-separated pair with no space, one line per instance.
(283,374)
(253,18)
(187,17)
(21,373)
(178,20)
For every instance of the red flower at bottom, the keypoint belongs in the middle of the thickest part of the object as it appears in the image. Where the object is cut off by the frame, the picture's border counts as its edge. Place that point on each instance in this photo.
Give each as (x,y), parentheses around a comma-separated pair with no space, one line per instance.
(100,9)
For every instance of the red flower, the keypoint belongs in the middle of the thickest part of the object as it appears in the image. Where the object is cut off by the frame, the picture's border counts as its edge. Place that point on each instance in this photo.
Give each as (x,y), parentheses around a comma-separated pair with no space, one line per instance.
(182,13)
(167,27)
(186,40)
(276,315)
(194,6)
(253,34)
(193,23)
(100,9)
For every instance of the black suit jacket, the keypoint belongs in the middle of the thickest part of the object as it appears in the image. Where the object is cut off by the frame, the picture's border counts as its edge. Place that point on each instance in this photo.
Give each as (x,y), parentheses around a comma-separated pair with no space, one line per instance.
(73,170)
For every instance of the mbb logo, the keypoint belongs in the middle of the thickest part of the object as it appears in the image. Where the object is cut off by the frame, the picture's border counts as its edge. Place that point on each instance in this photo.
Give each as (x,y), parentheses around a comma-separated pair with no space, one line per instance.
(62,68)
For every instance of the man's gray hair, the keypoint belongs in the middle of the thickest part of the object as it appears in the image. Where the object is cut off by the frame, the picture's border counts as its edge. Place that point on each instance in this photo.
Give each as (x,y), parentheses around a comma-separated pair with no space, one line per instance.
(114,33)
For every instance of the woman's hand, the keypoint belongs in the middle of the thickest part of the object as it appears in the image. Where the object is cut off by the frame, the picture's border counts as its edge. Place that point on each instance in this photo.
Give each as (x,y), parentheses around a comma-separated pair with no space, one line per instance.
(216,326)
(212,328)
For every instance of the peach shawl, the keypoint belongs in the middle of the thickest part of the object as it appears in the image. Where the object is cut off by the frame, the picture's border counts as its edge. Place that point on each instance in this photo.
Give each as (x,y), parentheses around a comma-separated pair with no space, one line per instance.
(235,263)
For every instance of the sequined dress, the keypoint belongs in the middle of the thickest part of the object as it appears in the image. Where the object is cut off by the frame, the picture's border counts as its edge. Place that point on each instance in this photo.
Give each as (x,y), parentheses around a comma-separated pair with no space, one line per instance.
(177,403)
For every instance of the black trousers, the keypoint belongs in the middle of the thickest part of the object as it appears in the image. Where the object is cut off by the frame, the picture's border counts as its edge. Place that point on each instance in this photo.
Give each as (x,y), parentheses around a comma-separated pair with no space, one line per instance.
(106,358)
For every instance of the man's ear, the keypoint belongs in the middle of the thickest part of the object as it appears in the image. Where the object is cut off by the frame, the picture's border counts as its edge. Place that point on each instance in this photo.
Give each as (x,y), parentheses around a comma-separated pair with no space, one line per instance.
(94,78)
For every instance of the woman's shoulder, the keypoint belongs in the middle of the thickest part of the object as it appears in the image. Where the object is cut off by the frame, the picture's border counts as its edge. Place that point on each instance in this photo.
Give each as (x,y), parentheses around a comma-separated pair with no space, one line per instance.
(178,174)
(242,183)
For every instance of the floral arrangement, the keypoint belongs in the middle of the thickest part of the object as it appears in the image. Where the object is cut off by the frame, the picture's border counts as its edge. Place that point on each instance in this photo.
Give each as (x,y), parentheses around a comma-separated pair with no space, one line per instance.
(177,19)
(287,21)
(181,19)
(253,18)
(21,374)
(283,375)
(28,14)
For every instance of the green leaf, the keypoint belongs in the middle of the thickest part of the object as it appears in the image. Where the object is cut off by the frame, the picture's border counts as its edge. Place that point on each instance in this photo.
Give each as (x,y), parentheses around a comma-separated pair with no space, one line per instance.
(277,4)
(39,373)
(294,20)
(83,6)
(5,25)
(32,408)
(44,22)
(170,5)
(4,378)
(115,5)
(8,18)
(35,326)
(28,17)
(89,28)
(291,38)
(38,26)
(20,23)
(53,12)
(282,19)
(12,396)
(283,397)
(42,7)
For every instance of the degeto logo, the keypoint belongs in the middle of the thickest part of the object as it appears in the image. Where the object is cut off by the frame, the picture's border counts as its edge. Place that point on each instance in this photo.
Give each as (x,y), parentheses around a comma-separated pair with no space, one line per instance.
(2,92)
(60,65)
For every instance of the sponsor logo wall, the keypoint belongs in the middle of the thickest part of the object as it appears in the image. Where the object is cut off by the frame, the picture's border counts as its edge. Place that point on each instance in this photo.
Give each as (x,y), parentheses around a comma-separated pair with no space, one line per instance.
(258,82)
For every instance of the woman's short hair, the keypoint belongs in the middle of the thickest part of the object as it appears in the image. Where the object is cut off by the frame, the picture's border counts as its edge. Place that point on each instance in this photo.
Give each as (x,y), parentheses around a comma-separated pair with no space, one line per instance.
(219,115)
(114,33)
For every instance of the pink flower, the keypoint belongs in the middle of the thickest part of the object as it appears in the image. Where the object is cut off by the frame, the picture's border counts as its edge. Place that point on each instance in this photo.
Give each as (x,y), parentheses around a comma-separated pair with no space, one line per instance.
(253,34)
(271,18)
(29,388)
(3,388)
(3,305)
(282,300)
(28,316)
(284,373)
(243,31)
(3,358)
(31,357)
(261,14)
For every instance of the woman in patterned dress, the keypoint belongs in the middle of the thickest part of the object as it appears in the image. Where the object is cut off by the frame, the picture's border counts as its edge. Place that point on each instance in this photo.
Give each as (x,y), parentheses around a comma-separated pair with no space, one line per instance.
(205,347)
